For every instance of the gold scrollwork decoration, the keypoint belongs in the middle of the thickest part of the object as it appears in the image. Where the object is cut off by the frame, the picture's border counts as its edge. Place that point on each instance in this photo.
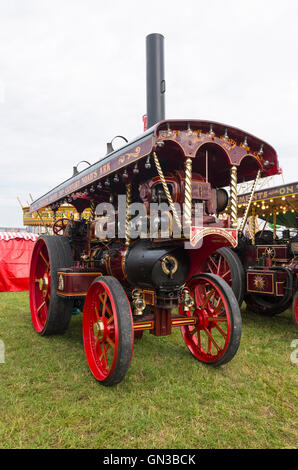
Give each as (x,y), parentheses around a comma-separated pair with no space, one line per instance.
(133,154)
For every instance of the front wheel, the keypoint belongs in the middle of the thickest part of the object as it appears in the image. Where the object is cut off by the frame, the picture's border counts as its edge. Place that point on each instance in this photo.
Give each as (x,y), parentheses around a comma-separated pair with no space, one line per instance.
(216,337)
(107,330)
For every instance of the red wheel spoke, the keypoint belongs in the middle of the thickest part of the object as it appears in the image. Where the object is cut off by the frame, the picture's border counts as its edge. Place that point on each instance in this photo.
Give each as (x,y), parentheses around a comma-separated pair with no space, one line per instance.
(106,307)
(208,298)
(219,306)
(98,349)
(198,331)
(218,266)
(213,261)
(213,296)
(212,339)
(111,342)
(41,305)
(225,274)
(210,268)
(224,264)
(111,319)
(224,267)
(97,336)
(224,334)
(96,311)
(99,344)
(195,330)
(105,356)
(217,319)
(46,262)
(203,289)
(104,301)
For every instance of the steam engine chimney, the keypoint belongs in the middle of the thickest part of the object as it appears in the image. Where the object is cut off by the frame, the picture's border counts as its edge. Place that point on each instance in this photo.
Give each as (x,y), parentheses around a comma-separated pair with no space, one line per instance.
(156,85)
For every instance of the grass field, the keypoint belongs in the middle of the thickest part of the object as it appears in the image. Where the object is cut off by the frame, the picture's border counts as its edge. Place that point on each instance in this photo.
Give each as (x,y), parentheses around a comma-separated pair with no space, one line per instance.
(48,398)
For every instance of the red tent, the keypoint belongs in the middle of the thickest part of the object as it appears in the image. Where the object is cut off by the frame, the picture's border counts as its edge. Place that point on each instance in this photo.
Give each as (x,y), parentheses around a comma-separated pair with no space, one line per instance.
(15,256)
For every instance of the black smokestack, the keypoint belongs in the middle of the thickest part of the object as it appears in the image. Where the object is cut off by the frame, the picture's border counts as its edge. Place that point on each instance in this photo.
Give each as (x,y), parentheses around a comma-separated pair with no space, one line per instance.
(156,85)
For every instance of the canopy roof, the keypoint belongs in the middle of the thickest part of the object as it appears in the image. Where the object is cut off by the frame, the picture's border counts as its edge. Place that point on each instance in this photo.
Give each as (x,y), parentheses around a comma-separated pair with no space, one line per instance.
(45,216)
(219,145)
(283,200)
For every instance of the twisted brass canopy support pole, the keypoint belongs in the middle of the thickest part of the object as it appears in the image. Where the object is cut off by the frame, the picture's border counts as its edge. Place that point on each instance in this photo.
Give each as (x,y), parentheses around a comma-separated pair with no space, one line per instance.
(253,225)
(128,202)
(92,210)
(233,196)
(166,189)
(188,194)
(243,222)
(274,224)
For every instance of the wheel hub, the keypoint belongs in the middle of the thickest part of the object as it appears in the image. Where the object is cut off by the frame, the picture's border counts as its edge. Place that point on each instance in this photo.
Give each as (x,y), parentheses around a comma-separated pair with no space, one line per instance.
(203,321)
(43,284)
(99,329)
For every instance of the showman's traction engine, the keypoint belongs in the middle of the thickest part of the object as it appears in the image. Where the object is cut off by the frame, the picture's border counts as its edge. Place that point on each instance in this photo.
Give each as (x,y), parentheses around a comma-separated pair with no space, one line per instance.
(130,272)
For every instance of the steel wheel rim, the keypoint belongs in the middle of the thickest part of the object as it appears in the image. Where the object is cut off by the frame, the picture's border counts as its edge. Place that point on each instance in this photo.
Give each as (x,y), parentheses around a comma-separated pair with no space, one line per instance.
(100,329)
(40,285)
(211,309)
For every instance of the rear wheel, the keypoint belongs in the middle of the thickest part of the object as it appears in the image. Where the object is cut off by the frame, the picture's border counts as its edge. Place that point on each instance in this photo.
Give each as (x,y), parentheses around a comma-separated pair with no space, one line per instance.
(266,305)
(50,313)
(107,330)
(226,264)
(295,309)
(216,336)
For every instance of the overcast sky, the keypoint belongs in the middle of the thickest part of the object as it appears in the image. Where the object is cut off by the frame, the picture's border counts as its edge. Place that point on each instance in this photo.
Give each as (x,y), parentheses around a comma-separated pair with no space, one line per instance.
(72,76)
